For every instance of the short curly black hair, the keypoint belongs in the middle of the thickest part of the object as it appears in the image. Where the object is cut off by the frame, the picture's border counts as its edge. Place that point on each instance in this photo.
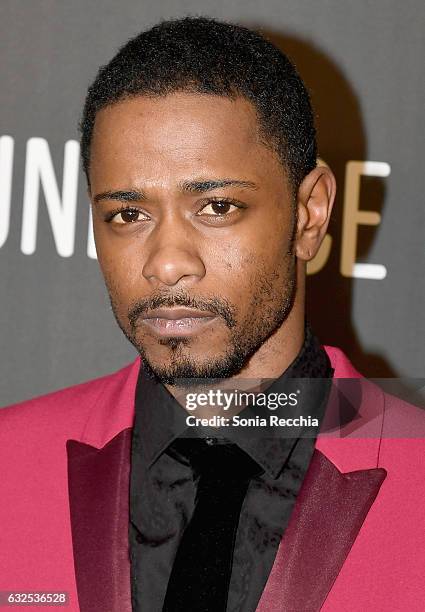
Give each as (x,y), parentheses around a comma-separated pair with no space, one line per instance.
(201,54)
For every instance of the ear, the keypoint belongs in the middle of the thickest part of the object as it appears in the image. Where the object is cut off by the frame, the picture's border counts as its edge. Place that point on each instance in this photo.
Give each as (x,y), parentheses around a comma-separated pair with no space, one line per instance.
(315,199)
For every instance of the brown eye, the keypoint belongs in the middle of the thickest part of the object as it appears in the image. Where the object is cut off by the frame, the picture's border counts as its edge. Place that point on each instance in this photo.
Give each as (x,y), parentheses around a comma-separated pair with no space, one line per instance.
(218,208)
(126,216)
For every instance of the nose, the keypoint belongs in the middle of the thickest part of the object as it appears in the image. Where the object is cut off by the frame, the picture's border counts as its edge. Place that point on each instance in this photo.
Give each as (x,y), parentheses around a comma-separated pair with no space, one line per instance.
(172,254)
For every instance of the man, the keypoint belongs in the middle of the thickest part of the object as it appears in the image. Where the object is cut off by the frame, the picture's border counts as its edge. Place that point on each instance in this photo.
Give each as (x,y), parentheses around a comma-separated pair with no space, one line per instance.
(199,148)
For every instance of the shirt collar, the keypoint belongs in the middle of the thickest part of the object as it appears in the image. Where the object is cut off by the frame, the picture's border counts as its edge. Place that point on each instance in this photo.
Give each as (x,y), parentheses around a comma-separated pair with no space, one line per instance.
(160,419)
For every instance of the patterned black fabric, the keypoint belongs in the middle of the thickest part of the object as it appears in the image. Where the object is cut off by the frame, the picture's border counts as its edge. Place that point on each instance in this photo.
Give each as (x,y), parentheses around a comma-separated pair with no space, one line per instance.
(163,488)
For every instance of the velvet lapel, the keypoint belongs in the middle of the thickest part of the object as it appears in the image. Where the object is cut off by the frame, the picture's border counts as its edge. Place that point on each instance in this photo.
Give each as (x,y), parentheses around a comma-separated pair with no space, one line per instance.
(327,516)
(98,496)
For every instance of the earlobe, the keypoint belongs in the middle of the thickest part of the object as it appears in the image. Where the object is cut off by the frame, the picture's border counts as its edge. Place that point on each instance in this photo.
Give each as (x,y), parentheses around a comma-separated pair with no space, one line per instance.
(316,196)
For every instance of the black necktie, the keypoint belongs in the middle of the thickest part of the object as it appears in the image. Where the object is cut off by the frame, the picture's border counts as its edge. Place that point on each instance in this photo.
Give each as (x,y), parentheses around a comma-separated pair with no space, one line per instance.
(200,577)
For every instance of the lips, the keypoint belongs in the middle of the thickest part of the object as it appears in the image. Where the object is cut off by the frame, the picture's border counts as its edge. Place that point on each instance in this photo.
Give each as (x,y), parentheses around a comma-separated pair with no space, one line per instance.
(173,314)
(177,321)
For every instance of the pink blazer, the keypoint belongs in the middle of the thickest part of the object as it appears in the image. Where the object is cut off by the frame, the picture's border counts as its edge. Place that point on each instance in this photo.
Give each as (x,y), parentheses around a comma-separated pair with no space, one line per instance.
(355,541)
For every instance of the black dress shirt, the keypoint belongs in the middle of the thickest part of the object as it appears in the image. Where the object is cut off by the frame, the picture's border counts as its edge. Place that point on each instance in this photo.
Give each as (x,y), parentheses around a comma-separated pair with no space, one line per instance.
(163,487)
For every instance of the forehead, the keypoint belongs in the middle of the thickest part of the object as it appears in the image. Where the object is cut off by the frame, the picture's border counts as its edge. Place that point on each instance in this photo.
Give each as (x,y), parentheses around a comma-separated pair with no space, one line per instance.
(181,133)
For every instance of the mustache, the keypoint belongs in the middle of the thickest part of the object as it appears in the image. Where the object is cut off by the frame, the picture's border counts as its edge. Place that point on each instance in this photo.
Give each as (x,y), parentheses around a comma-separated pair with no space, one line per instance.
(217,305)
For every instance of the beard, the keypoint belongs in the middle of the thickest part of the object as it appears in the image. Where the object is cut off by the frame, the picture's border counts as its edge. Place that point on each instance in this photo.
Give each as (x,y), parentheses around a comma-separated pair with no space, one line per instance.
(271,302)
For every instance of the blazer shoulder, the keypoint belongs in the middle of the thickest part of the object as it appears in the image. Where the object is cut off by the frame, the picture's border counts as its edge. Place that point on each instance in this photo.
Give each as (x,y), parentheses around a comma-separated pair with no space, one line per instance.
(72,403)
(402,419)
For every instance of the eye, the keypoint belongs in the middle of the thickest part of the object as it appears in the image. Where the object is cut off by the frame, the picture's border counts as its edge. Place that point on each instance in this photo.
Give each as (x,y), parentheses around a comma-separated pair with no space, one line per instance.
(218,208)
(125,216)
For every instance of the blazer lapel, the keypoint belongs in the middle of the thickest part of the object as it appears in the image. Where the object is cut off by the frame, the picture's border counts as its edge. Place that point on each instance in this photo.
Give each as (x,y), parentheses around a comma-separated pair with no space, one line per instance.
(98,481)
(327,516)
(326,519)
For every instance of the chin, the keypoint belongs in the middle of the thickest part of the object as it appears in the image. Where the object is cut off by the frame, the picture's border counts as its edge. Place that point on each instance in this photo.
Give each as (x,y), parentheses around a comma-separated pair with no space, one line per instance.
(186,370)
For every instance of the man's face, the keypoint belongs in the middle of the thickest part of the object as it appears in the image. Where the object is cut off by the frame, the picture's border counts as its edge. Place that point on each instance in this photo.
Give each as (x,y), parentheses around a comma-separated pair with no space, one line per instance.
(191,211)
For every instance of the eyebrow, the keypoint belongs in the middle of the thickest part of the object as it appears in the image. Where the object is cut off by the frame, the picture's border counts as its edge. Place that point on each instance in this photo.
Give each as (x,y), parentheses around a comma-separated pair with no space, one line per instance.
(209,185)
(135,195)
(122,196)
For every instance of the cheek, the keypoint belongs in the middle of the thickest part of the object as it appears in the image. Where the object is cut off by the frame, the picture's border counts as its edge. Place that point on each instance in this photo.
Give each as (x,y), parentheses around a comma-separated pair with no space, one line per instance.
(247,259)
(119,265)
(235,272)
(266,240)
(227,263)
(120,278)
(252,274)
